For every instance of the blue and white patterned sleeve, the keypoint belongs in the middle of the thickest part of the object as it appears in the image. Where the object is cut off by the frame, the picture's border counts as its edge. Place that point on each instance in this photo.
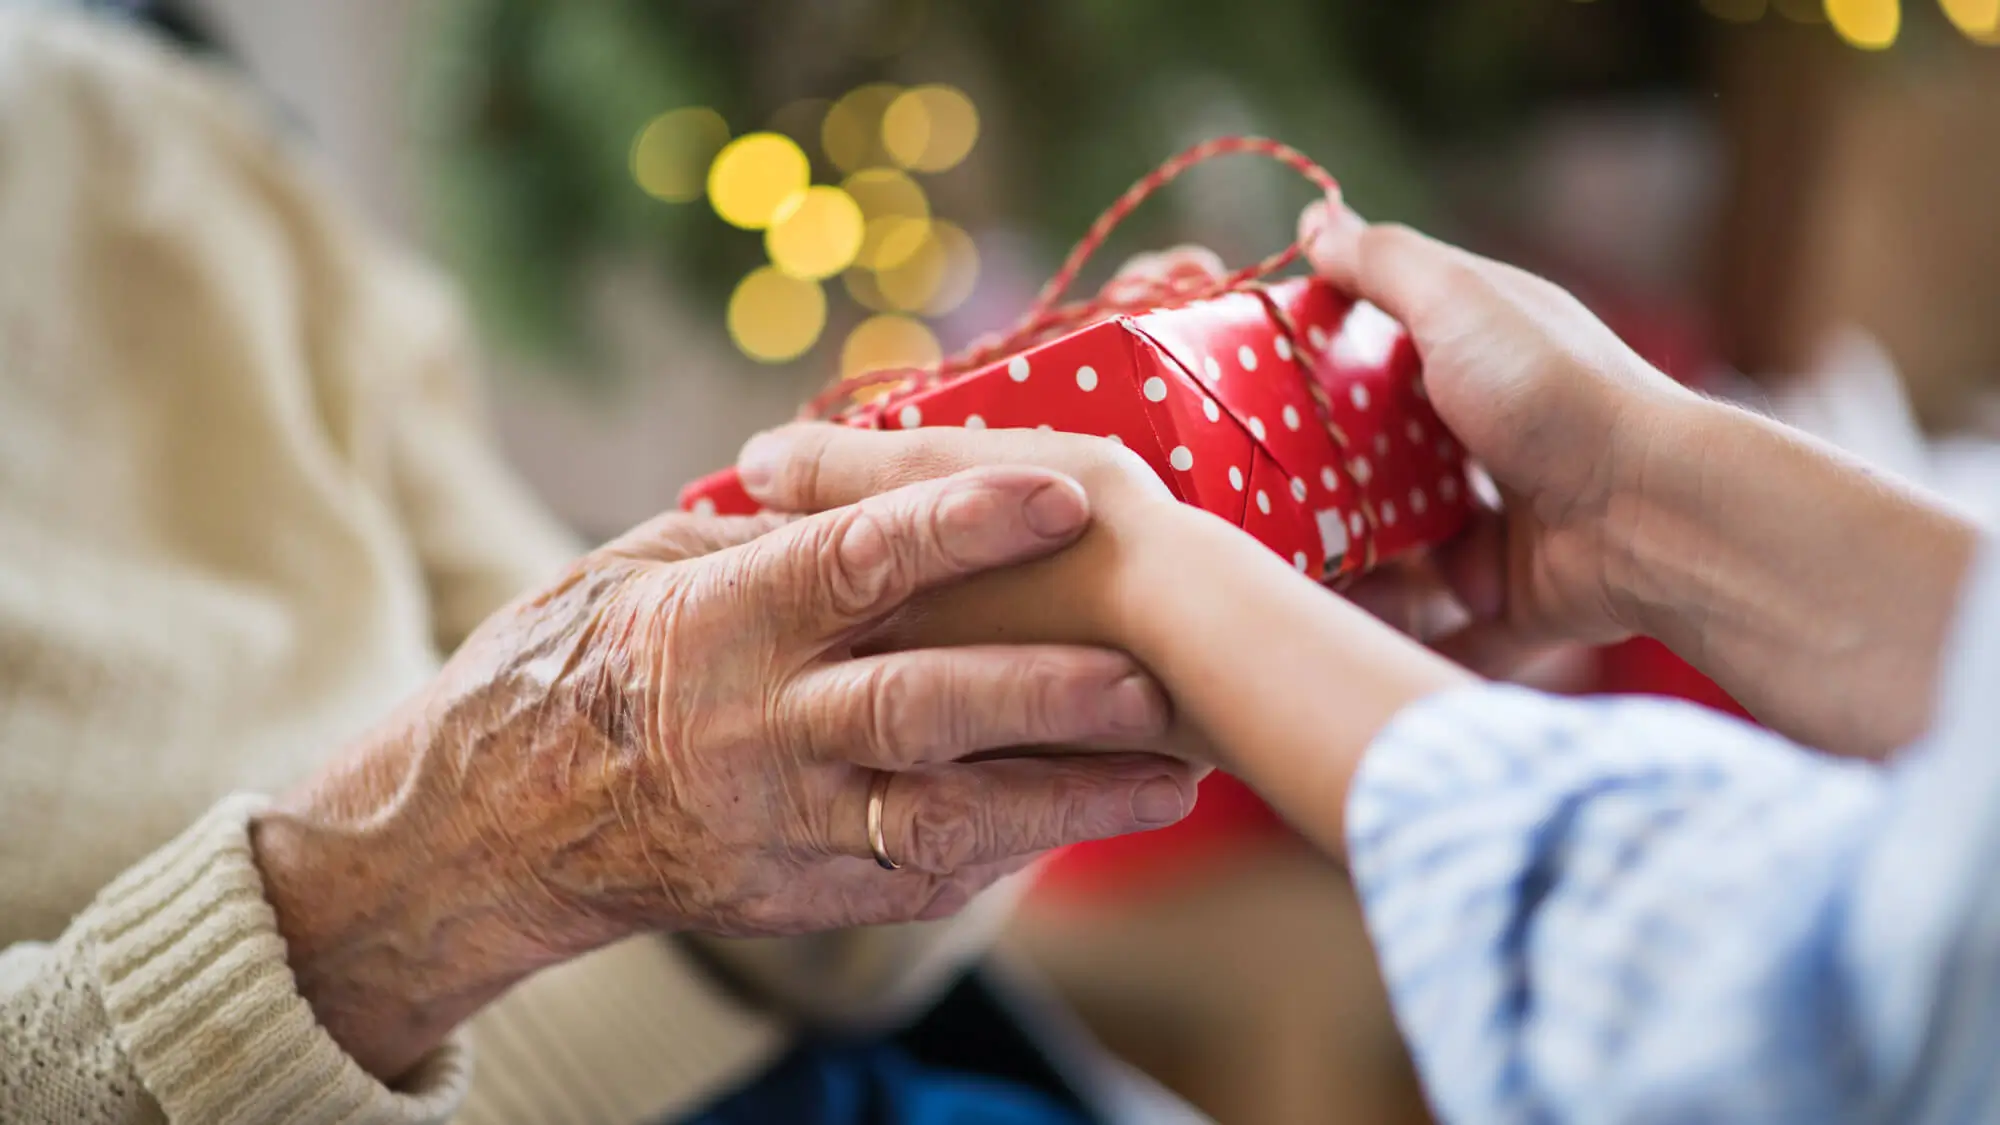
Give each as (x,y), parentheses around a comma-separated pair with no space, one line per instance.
(1638,911)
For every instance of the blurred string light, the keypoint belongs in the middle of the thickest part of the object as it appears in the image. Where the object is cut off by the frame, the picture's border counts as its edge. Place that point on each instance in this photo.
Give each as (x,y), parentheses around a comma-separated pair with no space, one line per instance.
(852,131)
(1978,19)
(936,277)
(815,234)
(875,229)
(670,156)
(756,177)
(887,343)
(1871,25)
(892,204)
(930,128)
(774,316)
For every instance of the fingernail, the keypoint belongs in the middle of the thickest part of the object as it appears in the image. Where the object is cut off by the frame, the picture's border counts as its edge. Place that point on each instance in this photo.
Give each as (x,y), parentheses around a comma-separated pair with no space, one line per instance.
(1158,802)
(1056,509)
(1135,706)
(757,464)
(1337,225)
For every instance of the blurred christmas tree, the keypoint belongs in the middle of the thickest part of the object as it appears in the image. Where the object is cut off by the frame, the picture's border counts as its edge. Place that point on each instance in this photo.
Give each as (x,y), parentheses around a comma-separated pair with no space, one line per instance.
(563,133)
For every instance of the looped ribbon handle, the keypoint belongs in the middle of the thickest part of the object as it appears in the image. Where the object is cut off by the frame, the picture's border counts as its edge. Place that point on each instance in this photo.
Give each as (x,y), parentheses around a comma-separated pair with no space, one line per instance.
(1049,317)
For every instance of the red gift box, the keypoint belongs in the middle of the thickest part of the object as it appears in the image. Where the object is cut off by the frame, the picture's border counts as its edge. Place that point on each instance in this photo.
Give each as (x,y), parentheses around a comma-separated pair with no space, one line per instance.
(1290,411)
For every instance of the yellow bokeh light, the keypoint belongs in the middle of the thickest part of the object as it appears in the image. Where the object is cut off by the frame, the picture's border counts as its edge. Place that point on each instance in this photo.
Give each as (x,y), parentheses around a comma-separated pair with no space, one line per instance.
(817,233)
(1871,25)
(852,131)
(1978,19)
(754,176)
(937,276)
(774,317)
(887,343)
(670,156)
(862,286)
(930,128)
(891,202)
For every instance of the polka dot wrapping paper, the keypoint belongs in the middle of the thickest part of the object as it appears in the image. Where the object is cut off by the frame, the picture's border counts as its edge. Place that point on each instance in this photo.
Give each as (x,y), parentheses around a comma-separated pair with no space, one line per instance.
(1291,411)
(1286,408)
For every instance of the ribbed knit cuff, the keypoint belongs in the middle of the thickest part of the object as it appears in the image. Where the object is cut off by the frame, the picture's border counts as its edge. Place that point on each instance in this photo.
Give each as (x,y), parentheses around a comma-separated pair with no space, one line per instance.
(193,975)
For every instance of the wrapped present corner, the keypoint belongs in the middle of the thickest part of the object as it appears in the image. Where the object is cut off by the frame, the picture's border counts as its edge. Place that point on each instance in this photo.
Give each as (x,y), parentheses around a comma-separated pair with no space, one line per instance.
(1288,410)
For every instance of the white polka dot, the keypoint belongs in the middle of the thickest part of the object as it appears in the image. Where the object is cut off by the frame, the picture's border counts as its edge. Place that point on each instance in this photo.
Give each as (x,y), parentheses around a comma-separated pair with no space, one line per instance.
(910,417)
(1181,458)
(1086,377)
(1236,478)
(1298,489)
(1291,417)
(1418,501)
(1257,428)
(1388,513)
(1416,432)
(1316,336)
(1359,394)
(1046,428)
(1299,561)
(1017,369)
(1329,478)
(1448,488)
(704,507)
(1209,408)
(1381,445)
(1354,521)
(1284,348)
(1116,438)
(1246,358)
(1155,389)
(974,422)
(1263,502)
(1211,368)
(1361,470)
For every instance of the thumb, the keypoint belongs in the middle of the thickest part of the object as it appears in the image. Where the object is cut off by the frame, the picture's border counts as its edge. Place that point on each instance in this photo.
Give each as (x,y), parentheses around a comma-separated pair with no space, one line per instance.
(1412,277)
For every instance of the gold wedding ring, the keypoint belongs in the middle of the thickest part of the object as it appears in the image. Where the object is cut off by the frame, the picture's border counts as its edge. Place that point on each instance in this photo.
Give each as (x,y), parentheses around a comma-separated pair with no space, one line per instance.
(877,796)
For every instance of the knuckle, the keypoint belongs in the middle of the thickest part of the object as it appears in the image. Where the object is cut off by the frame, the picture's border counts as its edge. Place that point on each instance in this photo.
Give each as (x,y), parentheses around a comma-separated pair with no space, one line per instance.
(946,831)
(860,566)
(898,717)
(1055,695)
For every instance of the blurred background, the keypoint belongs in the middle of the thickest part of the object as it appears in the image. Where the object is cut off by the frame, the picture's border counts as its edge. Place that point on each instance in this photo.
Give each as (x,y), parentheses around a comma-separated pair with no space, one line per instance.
(675,219)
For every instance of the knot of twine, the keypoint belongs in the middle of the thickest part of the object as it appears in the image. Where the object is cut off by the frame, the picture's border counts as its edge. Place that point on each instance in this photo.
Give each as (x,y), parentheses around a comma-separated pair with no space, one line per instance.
(1048,317)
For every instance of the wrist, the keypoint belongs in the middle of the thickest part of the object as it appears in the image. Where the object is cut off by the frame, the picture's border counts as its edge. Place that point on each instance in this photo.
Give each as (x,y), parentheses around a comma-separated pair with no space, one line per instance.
(397,928)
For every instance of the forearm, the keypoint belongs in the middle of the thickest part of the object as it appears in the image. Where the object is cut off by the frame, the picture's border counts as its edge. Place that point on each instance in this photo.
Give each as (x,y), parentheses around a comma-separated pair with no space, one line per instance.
(1288,681)
(1816,593)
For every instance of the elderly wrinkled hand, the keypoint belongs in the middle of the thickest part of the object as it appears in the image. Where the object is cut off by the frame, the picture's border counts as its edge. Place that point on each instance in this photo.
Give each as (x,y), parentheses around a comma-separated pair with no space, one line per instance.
(685,733)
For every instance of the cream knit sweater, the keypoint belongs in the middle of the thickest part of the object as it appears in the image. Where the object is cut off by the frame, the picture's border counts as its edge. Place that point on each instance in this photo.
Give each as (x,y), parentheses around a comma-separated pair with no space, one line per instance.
(245,500)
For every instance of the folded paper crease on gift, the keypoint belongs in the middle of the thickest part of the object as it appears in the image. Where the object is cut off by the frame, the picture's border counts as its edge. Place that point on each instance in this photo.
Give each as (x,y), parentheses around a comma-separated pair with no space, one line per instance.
(1290,410)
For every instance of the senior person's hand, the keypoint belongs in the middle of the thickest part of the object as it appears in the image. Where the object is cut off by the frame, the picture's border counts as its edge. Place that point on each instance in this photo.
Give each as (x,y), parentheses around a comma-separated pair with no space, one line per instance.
(678,735)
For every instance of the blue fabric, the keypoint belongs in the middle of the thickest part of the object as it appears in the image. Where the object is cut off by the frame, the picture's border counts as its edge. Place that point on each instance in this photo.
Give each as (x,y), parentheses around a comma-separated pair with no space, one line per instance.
(1636,911)
(880,1083)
